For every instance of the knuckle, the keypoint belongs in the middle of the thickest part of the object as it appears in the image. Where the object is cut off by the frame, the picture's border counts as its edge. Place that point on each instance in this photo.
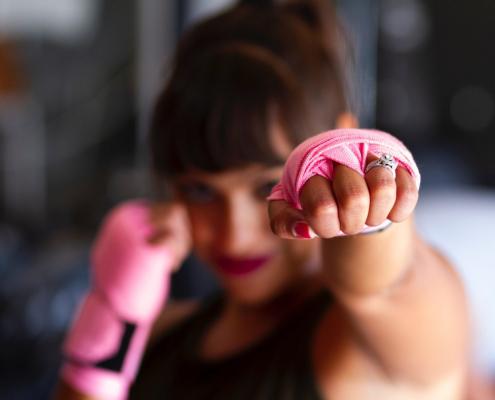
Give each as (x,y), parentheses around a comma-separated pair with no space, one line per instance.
(352,225)
(322,208)
(326,228)
(405,205)
(398,215)
(409,195)
(374,222)
(355,199)
(351,230)
(381,203)
(328,233)
(383,188)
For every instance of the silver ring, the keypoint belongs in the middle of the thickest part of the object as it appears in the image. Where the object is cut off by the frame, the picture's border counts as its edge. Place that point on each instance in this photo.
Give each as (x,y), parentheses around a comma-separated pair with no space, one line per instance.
(385,160)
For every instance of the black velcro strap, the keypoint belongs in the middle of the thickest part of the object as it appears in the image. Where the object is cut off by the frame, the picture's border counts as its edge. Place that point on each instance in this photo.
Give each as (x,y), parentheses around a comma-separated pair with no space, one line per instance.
(116,362)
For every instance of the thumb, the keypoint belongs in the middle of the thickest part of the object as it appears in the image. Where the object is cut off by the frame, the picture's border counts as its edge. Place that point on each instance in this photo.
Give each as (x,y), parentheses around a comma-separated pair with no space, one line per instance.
(288,222)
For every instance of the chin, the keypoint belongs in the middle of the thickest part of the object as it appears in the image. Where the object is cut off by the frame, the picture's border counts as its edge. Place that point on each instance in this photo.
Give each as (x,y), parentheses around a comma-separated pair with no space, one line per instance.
(250,296)
(258,289)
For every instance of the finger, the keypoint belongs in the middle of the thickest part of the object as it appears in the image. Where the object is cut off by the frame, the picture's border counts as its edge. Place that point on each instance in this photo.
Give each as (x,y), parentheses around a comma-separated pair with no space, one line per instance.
(407,196)
(353,198)
(382,190)
(288,222)
(320,207)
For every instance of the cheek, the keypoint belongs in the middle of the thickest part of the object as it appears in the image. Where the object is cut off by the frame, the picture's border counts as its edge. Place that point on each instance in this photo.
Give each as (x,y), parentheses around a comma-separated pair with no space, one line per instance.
(202,223)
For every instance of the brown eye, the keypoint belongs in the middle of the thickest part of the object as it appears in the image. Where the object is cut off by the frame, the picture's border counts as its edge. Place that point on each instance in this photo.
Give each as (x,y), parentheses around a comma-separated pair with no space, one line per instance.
(266,189)
(196,193)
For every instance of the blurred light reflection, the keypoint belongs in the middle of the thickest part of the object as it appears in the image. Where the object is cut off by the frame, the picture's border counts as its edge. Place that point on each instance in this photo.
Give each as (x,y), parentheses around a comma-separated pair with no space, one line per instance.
(404,23)
(65,21)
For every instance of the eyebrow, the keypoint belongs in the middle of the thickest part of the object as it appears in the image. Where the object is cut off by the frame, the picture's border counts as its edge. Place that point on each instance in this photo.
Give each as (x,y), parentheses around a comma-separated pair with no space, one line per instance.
(267,174)
(261,175)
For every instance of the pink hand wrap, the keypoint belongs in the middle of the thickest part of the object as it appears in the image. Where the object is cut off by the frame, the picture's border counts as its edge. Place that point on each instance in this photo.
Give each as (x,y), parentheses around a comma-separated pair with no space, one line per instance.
(130,286)
(348,147)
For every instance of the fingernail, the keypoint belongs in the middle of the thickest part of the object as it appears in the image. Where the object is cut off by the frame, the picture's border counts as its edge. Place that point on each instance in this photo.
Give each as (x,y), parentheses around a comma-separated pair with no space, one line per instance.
(302,229)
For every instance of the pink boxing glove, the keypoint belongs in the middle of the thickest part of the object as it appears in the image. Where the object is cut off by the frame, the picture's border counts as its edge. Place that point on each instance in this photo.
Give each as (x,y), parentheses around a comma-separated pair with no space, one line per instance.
(348,147)
(130,285)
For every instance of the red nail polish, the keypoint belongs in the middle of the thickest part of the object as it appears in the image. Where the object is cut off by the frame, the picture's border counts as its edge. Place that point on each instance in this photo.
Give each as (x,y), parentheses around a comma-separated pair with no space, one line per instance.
(303,230)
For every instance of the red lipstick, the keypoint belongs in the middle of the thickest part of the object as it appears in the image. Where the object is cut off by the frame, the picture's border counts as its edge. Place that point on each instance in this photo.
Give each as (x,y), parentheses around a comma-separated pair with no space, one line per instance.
(241,266)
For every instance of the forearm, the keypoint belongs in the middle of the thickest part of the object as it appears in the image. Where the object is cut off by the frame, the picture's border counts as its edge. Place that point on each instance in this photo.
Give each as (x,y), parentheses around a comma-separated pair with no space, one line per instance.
(407,308)
(403,302)
(365,265)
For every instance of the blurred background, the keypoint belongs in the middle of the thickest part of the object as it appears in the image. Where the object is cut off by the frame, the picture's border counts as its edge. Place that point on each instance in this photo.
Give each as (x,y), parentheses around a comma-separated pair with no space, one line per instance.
(78,79)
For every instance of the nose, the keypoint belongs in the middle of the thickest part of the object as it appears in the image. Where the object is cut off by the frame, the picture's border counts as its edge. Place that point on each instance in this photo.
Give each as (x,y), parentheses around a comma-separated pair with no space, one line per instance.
(241,229)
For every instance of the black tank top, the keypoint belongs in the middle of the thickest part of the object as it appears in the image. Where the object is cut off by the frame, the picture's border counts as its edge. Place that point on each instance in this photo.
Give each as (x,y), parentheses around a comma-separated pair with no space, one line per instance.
(276,367)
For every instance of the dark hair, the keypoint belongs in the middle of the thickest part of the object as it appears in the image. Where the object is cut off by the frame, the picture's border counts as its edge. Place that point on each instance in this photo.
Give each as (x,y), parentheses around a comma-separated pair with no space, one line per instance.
(237,74)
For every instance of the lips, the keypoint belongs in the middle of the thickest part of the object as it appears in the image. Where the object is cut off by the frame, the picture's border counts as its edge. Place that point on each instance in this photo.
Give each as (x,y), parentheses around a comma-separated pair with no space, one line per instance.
(238,266)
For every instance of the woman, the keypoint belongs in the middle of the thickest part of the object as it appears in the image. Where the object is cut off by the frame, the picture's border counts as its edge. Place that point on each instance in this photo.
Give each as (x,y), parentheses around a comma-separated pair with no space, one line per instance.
(375,316)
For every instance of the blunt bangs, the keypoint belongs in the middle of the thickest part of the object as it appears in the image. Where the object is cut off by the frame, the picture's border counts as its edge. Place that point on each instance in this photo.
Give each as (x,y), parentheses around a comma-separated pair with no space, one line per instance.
(218,111)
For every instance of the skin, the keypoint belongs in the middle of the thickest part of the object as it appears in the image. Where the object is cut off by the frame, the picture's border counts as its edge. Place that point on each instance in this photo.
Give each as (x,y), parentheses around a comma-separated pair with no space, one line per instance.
(399,329)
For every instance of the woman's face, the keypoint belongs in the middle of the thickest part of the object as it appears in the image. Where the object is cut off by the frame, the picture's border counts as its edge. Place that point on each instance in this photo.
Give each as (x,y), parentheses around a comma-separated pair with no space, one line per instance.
(231,231)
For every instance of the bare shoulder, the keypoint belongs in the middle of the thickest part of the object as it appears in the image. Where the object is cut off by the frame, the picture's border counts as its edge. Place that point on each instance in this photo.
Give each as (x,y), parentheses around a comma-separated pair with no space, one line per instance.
(173,313)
